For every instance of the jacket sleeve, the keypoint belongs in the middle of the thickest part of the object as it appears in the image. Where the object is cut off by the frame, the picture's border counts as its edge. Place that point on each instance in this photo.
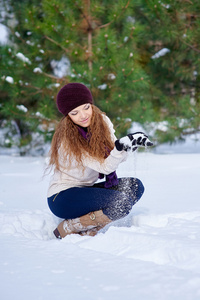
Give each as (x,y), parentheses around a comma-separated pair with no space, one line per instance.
(109,165)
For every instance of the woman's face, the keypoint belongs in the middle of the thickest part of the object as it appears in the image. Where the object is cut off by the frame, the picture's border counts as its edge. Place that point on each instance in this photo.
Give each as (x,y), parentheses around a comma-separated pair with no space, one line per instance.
(81,115)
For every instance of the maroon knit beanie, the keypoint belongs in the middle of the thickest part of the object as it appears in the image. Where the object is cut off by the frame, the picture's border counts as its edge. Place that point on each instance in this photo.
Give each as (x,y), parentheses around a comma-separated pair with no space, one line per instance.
(71,96)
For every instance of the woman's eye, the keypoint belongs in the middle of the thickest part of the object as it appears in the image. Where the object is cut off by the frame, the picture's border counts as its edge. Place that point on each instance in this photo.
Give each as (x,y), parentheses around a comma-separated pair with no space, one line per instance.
(87,107)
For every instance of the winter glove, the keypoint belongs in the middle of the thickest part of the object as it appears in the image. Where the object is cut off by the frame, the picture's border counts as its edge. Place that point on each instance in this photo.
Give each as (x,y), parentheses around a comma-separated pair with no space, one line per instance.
(132,141)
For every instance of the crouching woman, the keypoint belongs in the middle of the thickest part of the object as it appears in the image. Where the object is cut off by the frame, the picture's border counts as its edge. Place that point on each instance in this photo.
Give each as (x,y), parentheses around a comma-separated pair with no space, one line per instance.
(84,148)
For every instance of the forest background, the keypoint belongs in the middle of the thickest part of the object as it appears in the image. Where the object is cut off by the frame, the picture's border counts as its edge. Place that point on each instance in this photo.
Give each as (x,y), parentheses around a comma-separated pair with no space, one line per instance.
(141,60)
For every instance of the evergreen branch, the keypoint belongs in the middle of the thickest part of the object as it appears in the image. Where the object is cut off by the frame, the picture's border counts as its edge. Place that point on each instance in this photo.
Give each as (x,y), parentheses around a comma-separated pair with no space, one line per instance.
(56,43)
(38,90)
(126,75)
(85,17)
(185,133)
(136,80)
(35,93)
(58,10)
(89,32)
(28,115)
(19,37)
(34,87)
(54,77)
(130,36)
(122,11)
(188,1)
(192,47)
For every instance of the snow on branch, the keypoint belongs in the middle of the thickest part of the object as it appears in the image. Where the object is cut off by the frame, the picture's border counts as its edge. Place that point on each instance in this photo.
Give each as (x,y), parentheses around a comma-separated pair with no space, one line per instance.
(4,33)
(23,58)
(22,108)
(9,79)
(160,53)
(37,70)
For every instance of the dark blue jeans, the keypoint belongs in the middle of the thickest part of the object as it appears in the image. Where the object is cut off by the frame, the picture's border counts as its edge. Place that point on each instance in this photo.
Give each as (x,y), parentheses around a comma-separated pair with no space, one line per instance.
(115,202)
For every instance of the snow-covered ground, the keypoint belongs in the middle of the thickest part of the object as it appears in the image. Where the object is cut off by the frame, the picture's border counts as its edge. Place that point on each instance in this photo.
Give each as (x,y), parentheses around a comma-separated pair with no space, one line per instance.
(154,253)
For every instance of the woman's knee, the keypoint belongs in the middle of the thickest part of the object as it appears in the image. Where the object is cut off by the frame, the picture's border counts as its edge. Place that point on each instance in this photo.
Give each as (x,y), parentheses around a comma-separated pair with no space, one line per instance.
(123,203)
(133,187)
(119,208)
(139,188)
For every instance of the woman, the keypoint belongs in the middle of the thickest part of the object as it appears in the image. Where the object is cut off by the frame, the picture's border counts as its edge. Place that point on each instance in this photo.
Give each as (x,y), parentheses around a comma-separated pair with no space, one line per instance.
(84,148)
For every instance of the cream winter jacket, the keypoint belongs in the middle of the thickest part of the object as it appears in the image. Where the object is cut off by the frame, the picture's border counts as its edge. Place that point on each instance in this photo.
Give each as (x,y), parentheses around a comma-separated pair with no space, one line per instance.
(78,176)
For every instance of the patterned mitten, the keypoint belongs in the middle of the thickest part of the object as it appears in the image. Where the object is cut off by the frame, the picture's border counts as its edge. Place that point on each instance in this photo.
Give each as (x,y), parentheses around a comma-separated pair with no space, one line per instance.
(132,141)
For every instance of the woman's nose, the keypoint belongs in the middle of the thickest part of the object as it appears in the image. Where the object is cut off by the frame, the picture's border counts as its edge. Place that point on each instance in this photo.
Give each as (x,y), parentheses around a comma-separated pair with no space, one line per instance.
(82,114)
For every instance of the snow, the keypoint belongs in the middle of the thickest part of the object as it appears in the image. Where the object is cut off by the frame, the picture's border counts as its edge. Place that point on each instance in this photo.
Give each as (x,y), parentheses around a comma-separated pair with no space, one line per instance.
(102,86)
(17,34)
(4,33)
(160,53)
(22,108)
(151,254)
(111,76)
(9,79)
(190,142)
(37,70)
(22,57)
(62,67)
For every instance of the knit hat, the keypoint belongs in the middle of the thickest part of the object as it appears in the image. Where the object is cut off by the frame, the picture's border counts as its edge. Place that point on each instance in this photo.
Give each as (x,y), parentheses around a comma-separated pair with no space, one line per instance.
(71,96)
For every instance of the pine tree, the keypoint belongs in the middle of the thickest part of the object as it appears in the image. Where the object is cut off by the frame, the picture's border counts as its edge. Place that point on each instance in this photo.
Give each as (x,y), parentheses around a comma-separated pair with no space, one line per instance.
(95,39)
(171,54)
(139,58)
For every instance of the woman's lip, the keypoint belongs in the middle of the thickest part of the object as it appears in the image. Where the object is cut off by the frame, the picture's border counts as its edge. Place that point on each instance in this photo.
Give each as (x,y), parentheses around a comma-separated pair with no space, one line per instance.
(84,121)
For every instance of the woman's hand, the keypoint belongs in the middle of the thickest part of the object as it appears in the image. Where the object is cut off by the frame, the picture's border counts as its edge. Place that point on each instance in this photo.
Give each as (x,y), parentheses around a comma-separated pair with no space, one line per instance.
(132,141)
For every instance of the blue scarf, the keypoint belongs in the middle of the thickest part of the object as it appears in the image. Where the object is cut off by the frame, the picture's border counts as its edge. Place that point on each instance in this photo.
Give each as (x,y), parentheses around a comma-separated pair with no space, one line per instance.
(111,179)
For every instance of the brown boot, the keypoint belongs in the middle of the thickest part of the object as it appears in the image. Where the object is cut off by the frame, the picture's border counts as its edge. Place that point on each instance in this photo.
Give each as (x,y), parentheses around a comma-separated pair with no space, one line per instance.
(94,220)
(90,232)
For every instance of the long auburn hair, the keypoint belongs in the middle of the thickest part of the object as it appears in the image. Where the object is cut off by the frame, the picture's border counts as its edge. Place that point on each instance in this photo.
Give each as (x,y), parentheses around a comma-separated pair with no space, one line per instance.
(98,144)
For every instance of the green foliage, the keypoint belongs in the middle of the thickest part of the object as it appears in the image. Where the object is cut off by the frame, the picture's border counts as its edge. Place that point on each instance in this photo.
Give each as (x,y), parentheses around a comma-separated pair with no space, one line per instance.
(110,46)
